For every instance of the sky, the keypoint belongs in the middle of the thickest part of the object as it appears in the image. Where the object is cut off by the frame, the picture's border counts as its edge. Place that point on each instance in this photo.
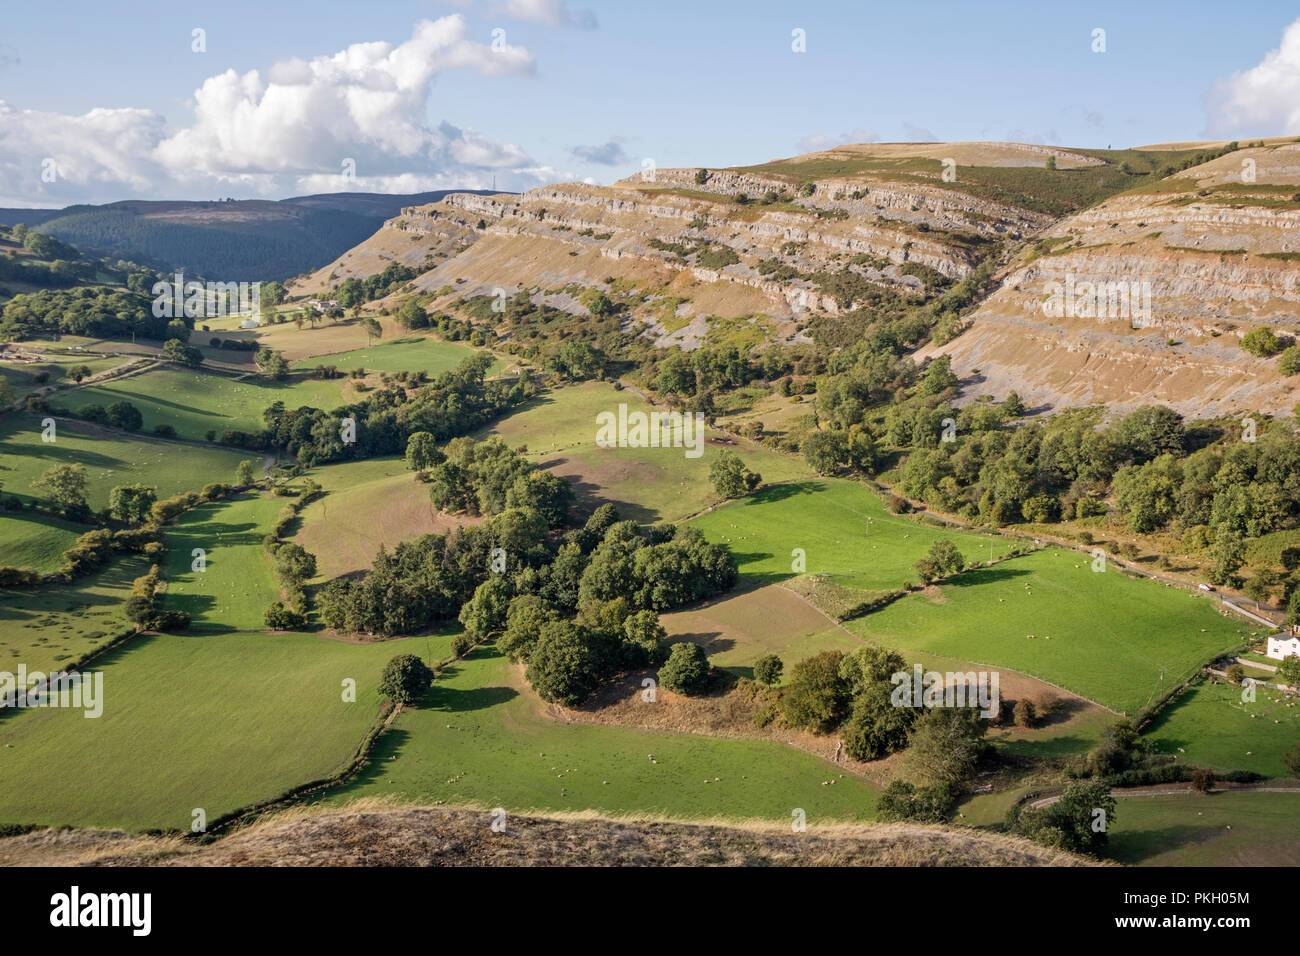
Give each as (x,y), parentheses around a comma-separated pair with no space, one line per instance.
(108,101)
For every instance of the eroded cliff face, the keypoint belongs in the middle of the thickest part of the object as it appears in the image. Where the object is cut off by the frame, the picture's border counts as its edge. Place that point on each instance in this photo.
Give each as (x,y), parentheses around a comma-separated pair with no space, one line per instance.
(1145,298)
(736,245)
(1185,264)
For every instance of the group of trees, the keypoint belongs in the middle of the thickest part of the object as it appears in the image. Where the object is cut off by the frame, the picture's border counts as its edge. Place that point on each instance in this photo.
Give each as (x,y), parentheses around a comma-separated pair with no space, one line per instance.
(487,477)
(577,606)
(456,402)
(86,310)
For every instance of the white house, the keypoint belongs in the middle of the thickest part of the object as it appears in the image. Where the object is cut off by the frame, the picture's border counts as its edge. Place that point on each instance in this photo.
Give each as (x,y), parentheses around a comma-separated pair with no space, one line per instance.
(249,324)
(1284,645)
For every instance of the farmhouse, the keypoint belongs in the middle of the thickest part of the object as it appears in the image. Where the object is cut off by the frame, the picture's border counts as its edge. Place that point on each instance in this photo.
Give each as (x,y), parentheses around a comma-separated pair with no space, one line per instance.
(1283,645)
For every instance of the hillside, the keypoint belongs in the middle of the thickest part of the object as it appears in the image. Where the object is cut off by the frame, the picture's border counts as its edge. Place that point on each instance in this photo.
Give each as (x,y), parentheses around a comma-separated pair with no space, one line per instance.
(377,833)
(1214,257)
(815,247)
(232,240)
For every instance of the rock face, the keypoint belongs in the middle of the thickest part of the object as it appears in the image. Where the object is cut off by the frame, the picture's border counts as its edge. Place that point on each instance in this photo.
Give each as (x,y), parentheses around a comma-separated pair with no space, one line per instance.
(1145,298)
(1186,261)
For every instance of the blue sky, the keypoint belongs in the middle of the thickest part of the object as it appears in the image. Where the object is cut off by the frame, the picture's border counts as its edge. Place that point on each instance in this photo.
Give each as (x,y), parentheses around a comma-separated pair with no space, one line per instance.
(586,90)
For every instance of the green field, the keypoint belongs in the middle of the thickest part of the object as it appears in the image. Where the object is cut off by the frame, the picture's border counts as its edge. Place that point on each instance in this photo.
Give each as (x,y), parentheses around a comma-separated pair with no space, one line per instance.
(1210,726)
(51,625)
(31,540)
(647,484)
(238,582)
(1218,829)
(110,459)
(1104,636)
(215,722)
(478,741)
(828,519)
(195,403)
(22,377)
(412,353)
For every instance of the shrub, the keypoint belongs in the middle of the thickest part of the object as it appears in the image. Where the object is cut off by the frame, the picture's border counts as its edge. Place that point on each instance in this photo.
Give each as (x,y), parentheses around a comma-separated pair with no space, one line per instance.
(405,679)
(687,670)
(280,618)
(816,696)
(767,670)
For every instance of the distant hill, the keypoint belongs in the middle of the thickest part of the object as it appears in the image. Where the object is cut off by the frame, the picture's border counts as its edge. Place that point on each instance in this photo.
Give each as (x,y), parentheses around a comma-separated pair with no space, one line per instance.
(229,240)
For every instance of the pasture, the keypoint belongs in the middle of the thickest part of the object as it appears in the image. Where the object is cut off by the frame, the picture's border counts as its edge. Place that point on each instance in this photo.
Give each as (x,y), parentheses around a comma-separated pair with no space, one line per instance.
(215,722)
(1105,636)
(1211,726)
(1229,829)
(239,581)
(196,402)
(412,353)
(31,540)
(481,740)
(52,625)
(364,510)
(110,459)
(646,484)
(844,530)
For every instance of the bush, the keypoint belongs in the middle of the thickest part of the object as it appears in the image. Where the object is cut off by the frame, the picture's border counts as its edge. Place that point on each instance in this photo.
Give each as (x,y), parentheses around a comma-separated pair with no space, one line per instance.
(687,670)
(902,801)
(816,696)
(767,670)
(280,618)
(1024,713)
(461,644)
(1203,780)
(405,679)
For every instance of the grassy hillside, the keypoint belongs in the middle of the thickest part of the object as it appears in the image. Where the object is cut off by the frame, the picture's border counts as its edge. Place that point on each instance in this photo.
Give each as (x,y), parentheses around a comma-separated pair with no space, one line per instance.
(110,459)
(1105,636)
(30,540)
(214,722)
(195,402)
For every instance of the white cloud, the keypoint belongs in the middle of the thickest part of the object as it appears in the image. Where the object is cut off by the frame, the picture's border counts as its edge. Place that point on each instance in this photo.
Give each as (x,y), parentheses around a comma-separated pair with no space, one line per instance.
(291,130)
(553,13)
(1264,100)
(819,142)
(605,154)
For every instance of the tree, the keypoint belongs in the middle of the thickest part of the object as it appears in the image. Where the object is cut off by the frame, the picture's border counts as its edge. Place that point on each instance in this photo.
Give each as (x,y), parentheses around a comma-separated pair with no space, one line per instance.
(295,563)
(564,666)
(816,696)
(647,638)
(131,503)
(1262,343)
(687,670)
(1050,163)
(485,613)
(373,329)
(548,494)
(78,372)
(280,618)
(124,415)
(1235,673)
(1289,670)
(767,670)
(66,485)
(422,452)
(939,377)
(272,364)
(728,474)
(1203,780)
(941,560)
(1227,554)
(824,451)
(405,679)
(876,727)
(244,473)
(946,745)
(1077,821)
(174,350)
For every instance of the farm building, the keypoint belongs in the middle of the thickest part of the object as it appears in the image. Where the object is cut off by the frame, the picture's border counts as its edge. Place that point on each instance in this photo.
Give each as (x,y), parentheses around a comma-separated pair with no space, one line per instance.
(1283,645)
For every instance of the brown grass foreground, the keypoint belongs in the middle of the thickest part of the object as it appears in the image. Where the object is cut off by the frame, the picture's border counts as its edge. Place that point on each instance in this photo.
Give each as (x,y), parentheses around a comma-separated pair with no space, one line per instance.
(386,833)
